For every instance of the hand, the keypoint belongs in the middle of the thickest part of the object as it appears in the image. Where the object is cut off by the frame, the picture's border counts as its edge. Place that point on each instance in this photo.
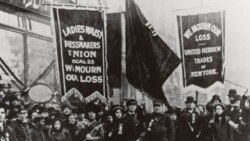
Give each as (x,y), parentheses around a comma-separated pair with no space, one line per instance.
(233,125)
(211,121)
(89,137)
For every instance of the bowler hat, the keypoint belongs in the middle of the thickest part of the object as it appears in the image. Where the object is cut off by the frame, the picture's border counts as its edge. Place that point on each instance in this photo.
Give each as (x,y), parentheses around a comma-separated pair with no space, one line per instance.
(131,102)
(237,97)
(190,99)
(216,97)
(232,93)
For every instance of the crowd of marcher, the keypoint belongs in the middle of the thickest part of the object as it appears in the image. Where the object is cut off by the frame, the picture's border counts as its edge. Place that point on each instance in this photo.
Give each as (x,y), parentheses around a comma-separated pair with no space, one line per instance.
(212,122)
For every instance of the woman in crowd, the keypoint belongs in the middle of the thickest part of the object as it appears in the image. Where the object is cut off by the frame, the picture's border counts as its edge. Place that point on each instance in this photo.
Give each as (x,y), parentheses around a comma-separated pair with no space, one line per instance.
(58,132)
(219,125)
(118,130)
(93,130)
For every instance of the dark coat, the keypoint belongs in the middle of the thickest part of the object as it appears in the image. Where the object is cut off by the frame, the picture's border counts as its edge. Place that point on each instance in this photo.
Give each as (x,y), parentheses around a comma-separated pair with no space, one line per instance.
(220,130)
(36,134)
(7,134)
(118,131)
(231,113)
(62,135)
(159,127)
(96,130)
(21,130)
(190,127)
(135,124)
(244,125)
(72,130)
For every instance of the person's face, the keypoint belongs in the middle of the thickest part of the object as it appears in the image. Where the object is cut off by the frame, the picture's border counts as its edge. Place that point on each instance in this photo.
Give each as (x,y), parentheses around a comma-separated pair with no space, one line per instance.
(132,107)
(33,115)
(118,113)
(23,115)
(67,111)
(158,108)
(231,99)
(15,103)
(42,122)
(218,110)
(190,105)
(237,103)
(5,90)
(81,116)
(216,102)
(2,114)
(45,114)
(91,115)
(72,119)
(57,125)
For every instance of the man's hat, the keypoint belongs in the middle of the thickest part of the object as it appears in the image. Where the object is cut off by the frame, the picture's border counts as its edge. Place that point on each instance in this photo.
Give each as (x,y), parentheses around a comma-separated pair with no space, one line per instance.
(190,99)
(232,93)
(116,107)
(237,97)
(216,97)
(158,103)
(131,101)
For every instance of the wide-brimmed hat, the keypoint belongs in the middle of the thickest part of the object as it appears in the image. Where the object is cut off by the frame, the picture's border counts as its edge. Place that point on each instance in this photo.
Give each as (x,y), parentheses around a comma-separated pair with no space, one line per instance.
(190,99)
(232,93)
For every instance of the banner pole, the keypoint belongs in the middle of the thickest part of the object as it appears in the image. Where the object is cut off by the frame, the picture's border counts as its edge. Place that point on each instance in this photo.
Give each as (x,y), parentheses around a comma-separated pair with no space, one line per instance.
(196,96)
(123,57)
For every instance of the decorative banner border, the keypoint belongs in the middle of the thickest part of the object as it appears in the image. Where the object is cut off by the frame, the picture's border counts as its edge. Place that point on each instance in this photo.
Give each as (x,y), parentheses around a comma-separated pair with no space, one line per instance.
(202,42)
(80,50)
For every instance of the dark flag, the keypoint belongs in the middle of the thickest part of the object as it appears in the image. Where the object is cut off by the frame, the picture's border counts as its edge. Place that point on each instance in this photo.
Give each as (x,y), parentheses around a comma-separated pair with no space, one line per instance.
(149,60)
(114,49)
(202,45)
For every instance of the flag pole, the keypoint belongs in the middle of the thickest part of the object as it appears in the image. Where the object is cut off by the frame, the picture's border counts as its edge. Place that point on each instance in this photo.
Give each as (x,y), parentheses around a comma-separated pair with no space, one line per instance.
(123,55)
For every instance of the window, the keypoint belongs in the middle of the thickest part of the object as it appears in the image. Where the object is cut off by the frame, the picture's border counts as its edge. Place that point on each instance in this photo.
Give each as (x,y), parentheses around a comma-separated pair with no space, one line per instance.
(12,52)
(40,55)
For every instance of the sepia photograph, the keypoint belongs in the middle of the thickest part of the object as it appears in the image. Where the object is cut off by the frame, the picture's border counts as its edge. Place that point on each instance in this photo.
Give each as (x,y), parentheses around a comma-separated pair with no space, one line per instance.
(124,70)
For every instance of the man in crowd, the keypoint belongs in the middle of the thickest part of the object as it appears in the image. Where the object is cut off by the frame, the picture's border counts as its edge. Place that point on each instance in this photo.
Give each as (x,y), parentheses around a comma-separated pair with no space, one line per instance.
(134,120)
(6,132)
(230,109)
(159,126)
(190,122)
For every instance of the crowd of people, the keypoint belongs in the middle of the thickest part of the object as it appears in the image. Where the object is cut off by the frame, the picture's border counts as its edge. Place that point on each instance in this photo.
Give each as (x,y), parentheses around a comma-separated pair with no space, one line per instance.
(212,122)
